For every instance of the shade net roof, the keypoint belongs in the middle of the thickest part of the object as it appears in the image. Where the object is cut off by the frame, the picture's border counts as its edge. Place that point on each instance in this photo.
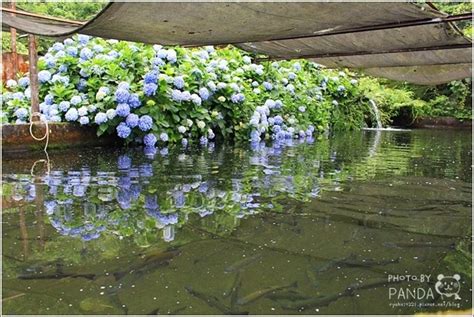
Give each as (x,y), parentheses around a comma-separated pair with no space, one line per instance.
(385,39)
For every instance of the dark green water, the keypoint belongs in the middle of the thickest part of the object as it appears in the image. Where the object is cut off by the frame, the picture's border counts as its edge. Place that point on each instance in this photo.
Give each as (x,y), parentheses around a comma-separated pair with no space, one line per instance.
(329,226)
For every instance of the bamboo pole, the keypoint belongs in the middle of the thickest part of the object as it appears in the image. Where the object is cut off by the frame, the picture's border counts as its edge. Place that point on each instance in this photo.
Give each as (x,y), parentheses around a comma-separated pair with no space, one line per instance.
(33,69)
(13,44)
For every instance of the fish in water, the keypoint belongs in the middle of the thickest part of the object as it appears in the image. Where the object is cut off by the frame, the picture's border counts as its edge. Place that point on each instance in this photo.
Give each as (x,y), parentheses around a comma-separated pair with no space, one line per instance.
(287,295)
(233,287)
(239,265)
(312,278)
(321,301)
(55,276)
(210,300)
(421,244)
(352,262)
(150,262)
(263,292)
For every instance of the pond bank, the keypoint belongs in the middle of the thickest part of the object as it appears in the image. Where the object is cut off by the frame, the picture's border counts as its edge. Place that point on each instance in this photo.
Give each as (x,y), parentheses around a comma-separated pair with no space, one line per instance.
(16,137)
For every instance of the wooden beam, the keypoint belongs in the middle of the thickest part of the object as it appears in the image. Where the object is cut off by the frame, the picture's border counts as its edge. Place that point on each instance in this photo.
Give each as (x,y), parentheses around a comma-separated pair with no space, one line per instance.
(43,16)
(33,70)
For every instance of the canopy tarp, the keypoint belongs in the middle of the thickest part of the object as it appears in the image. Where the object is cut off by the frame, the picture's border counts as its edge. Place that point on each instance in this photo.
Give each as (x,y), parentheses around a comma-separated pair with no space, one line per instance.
(372,36)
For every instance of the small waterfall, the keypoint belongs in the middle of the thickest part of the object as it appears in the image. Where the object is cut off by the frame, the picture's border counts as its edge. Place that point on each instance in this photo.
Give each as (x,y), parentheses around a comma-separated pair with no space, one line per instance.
(376,113)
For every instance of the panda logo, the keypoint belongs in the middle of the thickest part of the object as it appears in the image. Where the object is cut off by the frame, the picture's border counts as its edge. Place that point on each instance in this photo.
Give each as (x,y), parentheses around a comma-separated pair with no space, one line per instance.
(448,286)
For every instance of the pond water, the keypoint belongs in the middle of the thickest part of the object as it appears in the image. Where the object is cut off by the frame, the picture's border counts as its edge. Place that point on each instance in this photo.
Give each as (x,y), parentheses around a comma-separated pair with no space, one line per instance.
(326,226)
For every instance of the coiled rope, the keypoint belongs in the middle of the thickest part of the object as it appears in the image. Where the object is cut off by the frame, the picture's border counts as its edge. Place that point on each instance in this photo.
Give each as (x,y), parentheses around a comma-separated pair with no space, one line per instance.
(45,136)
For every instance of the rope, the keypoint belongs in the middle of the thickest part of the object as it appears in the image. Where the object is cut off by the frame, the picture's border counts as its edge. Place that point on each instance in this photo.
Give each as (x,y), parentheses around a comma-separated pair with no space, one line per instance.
(45,136)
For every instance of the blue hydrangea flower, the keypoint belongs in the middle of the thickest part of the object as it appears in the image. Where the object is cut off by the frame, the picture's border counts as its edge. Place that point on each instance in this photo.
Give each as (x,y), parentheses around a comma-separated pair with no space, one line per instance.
(151,77)
(71,114)
(68,42)
(145,123)
(64,106)
(278,104)
(341,88)
(134,101)
(84,120)
(98,48)
(291,76)
(21,113)
(100,118)
(301,108)
(255,136)
(267,85)
(171,56)
(62,79)
(158,62)
(178,82)
(124,85)
(203,140)
(83,39)
(297,66)
(150,89)
(237,98)
(44,76)
(149,140)
(247,60)
(82,84)
(121,95)
(124,162)
(181,129)
(86,54)
(132,120)
(164,137)
(204,93)
(176,95)
(184,142)
(278,120)
(75,100)
(18,96)
(24,82)
(123,131)
(57,47)
(71,51)
(122,110)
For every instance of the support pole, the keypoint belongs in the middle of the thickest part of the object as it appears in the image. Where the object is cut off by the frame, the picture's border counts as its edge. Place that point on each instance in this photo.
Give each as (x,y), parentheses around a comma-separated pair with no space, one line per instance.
(13,45)
(33,69)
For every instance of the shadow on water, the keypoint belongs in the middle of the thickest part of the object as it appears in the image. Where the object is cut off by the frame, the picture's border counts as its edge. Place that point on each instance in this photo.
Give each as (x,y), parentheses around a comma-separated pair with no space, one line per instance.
(268,229)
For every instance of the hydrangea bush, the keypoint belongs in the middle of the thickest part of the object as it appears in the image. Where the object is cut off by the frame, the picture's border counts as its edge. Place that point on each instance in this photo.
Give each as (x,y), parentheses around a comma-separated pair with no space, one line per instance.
(153,94)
